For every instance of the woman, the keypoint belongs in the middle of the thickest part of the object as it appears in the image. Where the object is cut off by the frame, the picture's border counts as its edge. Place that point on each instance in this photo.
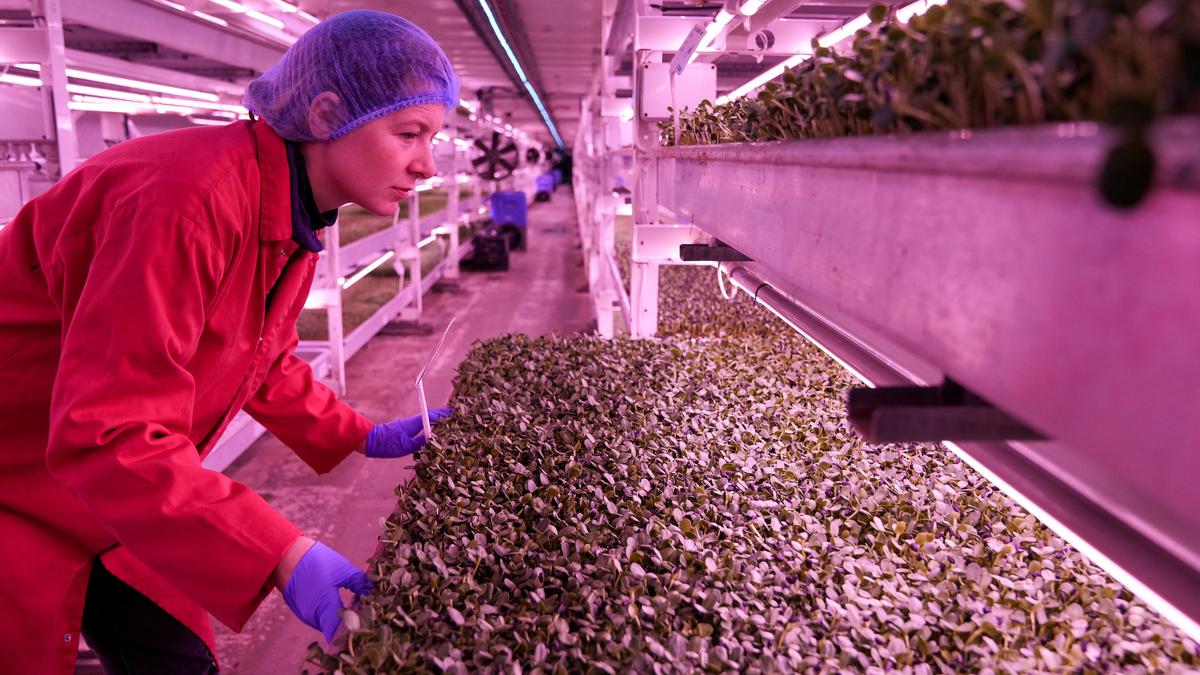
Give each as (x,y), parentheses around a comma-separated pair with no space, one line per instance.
(147,298)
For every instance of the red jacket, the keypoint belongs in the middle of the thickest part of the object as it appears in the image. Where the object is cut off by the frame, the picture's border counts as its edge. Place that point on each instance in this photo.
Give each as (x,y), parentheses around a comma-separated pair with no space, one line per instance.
(144,300)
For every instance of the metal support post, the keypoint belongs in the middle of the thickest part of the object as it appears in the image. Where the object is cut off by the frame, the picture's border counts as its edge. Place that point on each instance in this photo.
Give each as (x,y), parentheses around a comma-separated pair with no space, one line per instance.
(54,79)
(643,294)
(454,208)
(643,290)
(333,311)
(414,234)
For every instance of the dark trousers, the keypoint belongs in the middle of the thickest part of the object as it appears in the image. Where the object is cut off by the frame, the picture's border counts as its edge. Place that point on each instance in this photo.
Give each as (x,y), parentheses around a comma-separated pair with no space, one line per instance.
(132,635)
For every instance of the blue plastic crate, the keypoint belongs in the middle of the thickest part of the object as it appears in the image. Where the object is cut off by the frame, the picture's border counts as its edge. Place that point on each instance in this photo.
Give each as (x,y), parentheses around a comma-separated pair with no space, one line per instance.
(510,208)
(545,183)
(557,173)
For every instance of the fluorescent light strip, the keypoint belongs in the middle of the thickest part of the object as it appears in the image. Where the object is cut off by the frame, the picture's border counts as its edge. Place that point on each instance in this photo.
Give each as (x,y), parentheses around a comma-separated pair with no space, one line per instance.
(844,31)
(173,5)
(210,18)
(427,241)
(100,92)
(134,84)
(751,7)
(230,5)
(238,8)
(711,32)
(23,81)
(308,17)
(206,122)
(285,6)
(108,93)
(762,79)
(520,71)
(263,18)
(141,107)
(754,293)
(347,283)
(114,107)
(1162,606)
(904,15)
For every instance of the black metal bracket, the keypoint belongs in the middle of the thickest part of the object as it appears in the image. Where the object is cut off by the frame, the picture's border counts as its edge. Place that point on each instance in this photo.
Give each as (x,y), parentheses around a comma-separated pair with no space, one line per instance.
(920,414)
(715,252)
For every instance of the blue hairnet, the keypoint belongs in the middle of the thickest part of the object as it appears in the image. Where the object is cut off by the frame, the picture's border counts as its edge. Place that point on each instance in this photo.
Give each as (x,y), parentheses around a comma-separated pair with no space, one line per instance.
(377,63)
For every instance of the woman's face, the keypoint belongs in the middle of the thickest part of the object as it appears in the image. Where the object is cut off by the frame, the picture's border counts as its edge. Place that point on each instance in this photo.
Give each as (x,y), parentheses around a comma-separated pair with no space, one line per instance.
(379,163)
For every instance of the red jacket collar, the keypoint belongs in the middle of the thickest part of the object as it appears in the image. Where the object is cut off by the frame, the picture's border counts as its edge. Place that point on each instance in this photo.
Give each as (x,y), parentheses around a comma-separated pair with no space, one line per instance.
(275,200)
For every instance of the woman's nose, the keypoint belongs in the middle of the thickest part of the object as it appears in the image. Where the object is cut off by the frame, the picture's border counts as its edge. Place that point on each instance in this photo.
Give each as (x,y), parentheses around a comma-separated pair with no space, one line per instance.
(423,165)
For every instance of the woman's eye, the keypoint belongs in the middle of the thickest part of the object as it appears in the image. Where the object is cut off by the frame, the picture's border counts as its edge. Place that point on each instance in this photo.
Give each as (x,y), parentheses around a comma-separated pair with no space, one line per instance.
(409,137)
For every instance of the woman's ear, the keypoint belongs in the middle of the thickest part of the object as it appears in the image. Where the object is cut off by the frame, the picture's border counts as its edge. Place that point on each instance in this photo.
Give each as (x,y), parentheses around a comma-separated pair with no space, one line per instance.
(324,115)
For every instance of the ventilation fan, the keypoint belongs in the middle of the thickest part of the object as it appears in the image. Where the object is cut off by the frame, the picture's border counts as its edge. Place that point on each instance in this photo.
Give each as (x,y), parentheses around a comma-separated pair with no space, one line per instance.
(498,159)
(532,156)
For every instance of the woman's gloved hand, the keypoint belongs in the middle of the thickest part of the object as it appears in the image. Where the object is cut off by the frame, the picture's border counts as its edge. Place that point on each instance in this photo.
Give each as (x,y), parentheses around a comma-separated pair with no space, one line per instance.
(312,590)
(402,437)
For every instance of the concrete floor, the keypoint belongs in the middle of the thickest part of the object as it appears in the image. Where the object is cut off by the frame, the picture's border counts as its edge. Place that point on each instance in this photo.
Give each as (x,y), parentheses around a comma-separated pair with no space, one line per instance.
(538,295)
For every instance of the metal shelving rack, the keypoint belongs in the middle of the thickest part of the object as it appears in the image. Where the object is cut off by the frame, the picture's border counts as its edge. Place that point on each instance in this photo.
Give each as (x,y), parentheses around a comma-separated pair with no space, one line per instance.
(986,257)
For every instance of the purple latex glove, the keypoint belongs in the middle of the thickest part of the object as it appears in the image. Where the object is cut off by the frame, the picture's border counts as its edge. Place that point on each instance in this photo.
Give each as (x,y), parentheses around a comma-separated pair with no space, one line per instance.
(402,437)
(312,590)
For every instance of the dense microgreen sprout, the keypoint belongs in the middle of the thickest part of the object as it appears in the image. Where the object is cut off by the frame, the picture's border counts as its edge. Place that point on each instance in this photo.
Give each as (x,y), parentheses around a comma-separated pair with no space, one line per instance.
(698,502)
(972,64)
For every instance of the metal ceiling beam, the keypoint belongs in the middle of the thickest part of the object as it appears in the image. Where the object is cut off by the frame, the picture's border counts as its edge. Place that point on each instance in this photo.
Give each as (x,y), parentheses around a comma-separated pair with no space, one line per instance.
(174,30)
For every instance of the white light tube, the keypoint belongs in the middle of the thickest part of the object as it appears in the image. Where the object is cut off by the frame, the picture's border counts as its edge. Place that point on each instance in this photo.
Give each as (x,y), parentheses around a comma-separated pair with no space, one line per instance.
(173,5)
(23,81)
(751,7)
(210,18)
(132,84)
(238,8)
(844,31)
(143,98)
(114,107)
(762,79)
(754,293)
(442,136)
(537,100)
(230,5)
(710,33)
(347,283)
(308,17)
(423,187)
(427,241)
(263,18)
(206,122)
(108,93)
(286,6)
